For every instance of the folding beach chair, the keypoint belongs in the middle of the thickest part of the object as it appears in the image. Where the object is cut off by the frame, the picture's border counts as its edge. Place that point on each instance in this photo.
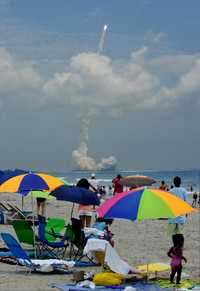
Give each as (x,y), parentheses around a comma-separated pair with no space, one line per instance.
(10,213)
(33,265)
(56,249)
(22,214)
(53,228)
(24,231)
(76,236)
(3,207)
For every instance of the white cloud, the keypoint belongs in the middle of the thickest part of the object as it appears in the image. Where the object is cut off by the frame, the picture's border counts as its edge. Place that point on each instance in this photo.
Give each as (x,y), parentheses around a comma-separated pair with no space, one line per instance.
(16,78)
(187,87)
(98,81)
(190,82)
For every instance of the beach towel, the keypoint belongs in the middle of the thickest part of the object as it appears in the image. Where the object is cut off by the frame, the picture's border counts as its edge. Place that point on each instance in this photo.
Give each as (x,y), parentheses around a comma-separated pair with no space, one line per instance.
(112,259)
(153,267)
(185,284)
(140,286)
(49,265)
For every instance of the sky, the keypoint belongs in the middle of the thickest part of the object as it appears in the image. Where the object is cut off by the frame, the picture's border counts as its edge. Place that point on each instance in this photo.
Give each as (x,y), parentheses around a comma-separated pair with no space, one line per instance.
(135,102)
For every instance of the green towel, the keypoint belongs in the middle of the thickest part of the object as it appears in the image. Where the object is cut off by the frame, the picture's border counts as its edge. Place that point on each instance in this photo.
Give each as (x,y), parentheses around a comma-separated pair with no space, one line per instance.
(185,283)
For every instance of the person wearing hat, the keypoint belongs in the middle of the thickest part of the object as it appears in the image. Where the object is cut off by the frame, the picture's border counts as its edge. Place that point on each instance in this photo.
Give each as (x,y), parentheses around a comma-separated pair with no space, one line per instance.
(93,182)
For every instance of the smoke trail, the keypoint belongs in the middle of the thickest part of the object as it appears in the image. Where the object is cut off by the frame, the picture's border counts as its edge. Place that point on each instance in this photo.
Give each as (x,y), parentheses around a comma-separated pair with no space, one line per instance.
(102,39)
(81,158)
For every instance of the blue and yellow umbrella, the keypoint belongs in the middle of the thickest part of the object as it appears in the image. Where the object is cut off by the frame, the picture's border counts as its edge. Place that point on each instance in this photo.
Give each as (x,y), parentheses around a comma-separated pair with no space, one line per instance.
(25,183)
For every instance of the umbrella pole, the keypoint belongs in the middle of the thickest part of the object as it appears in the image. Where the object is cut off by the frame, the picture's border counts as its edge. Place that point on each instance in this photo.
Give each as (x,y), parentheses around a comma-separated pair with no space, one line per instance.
(22,203)
(146,251)
(33,221)
(72,210)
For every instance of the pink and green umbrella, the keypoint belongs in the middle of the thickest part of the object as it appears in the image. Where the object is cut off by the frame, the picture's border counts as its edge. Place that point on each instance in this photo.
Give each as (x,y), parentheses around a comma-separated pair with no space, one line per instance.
(141,204)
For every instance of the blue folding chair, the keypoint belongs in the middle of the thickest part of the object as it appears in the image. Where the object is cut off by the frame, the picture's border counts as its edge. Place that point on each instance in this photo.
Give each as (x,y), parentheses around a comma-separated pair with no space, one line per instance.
(56,249)
(22,258)
(18,253)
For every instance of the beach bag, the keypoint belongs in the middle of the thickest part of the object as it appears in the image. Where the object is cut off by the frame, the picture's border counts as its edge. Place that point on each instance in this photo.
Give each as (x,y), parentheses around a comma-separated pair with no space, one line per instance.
(108,279)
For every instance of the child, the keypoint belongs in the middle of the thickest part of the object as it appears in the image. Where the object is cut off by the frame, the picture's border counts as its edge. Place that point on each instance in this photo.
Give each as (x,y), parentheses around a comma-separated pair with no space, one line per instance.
(176,255)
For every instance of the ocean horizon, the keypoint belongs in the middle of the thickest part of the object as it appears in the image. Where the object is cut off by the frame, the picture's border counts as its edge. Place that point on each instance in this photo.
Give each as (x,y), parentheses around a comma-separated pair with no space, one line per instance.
(190,177)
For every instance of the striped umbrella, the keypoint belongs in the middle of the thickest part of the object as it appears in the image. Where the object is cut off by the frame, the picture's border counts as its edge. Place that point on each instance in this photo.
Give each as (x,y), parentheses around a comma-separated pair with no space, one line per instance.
(141,204)
(30,182)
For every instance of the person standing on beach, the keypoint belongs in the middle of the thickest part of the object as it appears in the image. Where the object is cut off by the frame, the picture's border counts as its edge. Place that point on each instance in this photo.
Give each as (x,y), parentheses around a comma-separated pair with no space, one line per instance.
(85,211)
(176,255)
(118,187)
(194,202)
(41,203)
(93,182)
(199,199)
(163,186)
(182,194)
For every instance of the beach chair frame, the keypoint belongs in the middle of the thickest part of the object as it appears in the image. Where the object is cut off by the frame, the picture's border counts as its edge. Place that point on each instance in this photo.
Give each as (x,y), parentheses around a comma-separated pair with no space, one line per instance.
(22,258)
(22,214)
(55,249)
(77,241)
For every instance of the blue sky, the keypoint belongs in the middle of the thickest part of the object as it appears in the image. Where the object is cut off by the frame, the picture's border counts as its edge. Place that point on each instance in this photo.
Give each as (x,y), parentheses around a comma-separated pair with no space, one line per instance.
(137,102)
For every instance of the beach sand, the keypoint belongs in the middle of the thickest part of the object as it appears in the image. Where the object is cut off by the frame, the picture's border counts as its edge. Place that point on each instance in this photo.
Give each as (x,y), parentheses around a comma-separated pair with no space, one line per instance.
(136,243)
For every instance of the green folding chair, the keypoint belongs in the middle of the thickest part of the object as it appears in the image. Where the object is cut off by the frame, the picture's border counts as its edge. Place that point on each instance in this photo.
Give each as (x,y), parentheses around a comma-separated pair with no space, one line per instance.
(24,231)
(53,228)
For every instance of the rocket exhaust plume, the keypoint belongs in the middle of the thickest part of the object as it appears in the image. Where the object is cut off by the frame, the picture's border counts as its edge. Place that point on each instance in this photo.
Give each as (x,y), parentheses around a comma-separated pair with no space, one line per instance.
(81,158)
(102,39)
(80,155)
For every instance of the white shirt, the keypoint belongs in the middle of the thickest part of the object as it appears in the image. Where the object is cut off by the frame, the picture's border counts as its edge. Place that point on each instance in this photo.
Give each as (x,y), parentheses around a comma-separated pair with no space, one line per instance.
(182,194)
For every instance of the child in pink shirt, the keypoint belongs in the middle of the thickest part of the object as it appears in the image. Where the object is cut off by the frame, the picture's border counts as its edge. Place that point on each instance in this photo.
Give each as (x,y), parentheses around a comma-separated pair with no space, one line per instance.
(176,255)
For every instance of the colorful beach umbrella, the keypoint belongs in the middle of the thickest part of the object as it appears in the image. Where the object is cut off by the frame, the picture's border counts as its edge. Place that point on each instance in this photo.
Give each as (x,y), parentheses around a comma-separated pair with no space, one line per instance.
(8,174)
(137,180)
(64,181)
(141,204)
(30,182)
(40,194)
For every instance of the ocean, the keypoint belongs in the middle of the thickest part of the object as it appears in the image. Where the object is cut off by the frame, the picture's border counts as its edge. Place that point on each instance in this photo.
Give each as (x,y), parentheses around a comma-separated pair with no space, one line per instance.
(189,177)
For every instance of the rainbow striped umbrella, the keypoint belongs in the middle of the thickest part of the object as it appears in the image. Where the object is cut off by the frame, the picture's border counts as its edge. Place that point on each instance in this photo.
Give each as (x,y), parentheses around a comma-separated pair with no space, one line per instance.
(25,183)
(140,204)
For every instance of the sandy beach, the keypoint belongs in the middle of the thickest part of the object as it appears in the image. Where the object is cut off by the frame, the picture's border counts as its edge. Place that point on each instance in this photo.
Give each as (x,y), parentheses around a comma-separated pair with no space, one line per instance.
(136,243)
